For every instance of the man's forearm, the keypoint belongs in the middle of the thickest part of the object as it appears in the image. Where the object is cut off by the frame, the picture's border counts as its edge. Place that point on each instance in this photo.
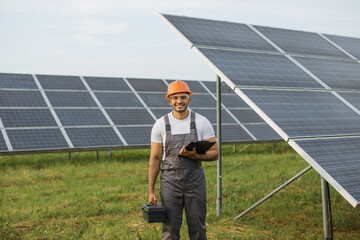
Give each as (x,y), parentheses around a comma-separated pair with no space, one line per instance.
(210,155)
(154,168)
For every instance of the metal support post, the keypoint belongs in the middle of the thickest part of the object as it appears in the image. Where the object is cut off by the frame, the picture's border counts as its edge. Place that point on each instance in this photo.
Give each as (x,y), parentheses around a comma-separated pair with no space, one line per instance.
(97,155)
(218,133)
(327,220)
(273,192)
(69,155)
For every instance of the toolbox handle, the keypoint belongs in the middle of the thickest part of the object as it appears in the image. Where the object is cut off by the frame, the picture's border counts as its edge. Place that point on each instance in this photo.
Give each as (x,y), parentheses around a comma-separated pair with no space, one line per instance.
(154,203)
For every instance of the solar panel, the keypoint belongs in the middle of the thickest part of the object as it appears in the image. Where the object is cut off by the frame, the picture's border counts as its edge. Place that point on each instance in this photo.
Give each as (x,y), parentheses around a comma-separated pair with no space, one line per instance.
(259,70)
(233,101)
(81,117)
(93,137)
(352,97)
(130,116)
(136,135)
(234,133)
(148,85)
(22,98)
(319,124)
(210,114)
(336,74)
(350,44)
(246,116)
(118,99)
(218,33)
(60,82)
(96,112)
(107,84)
(3,147)
(159,112)
(70,99)
(36,139)
(27,118)
(211,86)
(338,158)
(306,113)
(202,101)
(300,42)
(11,80)
(155,99)
(262,131)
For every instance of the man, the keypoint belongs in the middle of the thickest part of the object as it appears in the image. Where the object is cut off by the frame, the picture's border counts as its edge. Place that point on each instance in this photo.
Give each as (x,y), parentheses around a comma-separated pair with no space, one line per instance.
(182,179)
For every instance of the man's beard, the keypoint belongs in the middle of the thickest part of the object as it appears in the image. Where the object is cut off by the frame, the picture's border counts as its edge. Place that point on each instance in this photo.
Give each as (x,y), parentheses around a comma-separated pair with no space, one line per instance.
(179,111)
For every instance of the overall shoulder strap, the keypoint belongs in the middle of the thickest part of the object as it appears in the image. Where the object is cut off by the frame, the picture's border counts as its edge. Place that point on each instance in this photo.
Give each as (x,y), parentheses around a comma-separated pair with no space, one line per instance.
(192,123)
(167,123)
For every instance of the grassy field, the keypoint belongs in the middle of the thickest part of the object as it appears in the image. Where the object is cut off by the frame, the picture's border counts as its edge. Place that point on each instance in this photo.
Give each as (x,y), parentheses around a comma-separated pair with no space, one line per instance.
(52,196)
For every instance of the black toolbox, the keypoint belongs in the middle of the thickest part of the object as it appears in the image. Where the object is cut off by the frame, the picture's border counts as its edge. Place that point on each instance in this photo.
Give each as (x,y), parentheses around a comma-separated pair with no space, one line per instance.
(153,213)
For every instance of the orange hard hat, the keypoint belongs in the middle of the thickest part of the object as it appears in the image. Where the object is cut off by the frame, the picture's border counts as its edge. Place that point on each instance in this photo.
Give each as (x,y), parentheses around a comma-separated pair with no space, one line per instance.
(177,87)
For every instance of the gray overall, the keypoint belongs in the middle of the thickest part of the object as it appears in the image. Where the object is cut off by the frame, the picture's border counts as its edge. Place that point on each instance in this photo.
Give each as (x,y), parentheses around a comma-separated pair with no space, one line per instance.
(182,184)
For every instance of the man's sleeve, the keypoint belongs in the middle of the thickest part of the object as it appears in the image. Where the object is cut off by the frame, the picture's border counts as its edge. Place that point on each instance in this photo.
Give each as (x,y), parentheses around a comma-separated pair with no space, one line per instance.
(156,133)
(207,129)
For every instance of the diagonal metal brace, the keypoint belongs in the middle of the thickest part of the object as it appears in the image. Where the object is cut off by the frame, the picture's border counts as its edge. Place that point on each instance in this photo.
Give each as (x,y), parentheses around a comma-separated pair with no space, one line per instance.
(273,192)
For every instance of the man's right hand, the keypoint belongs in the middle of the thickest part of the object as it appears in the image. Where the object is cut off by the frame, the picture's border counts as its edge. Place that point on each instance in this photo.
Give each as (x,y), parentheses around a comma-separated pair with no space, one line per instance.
(152,198)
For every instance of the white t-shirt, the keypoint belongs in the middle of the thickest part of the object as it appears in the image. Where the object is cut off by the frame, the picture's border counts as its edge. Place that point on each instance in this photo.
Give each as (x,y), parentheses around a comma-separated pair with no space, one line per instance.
(203,127)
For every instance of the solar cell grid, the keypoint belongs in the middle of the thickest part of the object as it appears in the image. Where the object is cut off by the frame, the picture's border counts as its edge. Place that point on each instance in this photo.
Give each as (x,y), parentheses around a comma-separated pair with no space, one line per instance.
(202,101)
(148,85)
(93,137)
(211,85)
(234,133)
(81,117)
(259,70)
(21,99)
(3,147)
(292,41)
(339,157)
(336,74)
(136,135)
(27,118)
(111,99)
(11,80)
(61,82)
(210,114)
(262,131)
(155,99)
(107,84)
(352,97)
(246,116)
(130,116)
(233,101)
(36,139)
(70,99)
(306,113)
(218,33)
(349,44)
(159,112)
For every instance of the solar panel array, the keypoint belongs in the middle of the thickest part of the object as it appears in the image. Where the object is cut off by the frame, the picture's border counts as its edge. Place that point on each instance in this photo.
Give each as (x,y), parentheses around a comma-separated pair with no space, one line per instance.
(55,113)
(305,85)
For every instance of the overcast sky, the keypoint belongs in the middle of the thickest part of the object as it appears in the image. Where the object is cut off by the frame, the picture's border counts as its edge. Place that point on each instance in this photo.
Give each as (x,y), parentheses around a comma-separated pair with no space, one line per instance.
(118,38)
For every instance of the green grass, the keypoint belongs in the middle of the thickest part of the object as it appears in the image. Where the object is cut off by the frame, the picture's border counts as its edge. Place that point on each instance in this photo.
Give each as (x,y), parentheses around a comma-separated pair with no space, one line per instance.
(52,196)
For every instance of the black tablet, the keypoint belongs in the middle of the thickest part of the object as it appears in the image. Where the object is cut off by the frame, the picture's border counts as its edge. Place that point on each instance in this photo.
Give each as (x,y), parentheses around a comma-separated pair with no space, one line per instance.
(201,146)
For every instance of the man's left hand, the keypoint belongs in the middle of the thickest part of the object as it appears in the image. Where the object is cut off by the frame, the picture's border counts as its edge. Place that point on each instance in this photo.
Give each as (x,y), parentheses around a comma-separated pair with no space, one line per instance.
(190,154)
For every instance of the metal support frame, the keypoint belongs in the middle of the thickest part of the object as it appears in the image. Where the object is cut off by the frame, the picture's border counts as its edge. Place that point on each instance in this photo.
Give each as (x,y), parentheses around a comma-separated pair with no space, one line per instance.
(218,133)
(273,192)
(326,208)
